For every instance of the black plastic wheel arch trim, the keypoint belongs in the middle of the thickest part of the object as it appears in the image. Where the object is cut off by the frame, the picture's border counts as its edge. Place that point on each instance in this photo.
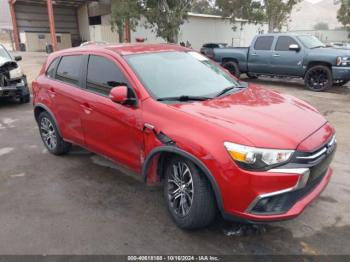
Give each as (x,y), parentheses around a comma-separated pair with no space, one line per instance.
(45,108)
(198,163)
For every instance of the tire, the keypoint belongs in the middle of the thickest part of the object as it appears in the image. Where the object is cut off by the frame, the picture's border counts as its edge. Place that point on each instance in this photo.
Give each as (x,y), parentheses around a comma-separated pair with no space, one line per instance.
(340,82)
(198,201)
(251,76)
(50,135)
(24,99)
(318,78)
(233,68)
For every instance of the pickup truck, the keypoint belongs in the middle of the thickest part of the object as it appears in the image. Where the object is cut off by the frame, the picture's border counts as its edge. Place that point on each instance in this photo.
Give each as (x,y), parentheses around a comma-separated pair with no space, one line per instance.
(288,55)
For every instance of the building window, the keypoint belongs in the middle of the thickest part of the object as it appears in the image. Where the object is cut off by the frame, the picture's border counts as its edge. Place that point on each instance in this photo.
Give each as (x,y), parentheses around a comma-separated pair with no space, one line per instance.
(95,20)
(59,39)
(41,36)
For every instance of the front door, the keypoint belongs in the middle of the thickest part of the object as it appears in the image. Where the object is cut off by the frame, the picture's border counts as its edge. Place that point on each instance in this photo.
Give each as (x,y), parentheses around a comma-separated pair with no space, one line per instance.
(287,62)
(112,129)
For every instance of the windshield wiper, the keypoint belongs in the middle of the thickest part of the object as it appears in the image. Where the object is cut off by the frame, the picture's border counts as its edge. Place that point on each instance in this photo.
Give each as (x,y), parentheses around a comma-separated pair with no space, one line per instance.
(184,98)
(319,46)
(228,89)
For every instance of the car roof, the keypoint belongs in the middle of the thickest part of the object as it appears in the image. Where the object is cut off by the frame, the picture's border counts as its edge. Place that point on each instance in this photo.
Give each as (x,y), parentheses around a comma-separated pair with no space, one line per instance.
(127,49)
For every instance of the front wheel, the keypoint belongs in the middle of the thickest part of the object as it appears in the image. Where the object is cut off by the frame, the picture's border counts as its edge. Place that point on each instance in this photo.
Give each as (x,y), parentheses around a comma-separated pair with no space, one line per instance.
(251,76)
(188,195)
(318,78)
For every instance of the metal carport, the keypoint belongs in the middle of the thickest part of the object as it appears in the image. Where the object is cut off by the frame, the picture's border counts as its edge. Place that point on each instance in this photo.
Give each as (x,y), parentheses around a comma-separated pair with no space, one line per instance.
(41,15)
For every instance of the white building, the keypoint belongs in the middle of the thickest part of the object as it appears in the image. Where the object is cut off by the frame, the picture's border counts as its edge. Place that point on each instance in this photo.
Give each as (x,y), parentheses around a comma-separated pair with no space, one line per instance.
(198,29)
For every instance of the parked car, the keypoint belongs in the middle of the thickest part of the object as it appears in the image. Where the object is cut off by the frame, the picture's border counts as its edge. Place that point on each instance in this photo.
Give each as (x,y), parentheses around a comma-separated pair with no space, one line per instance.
(13,82)
(288,55)
(215,143)
(207,49)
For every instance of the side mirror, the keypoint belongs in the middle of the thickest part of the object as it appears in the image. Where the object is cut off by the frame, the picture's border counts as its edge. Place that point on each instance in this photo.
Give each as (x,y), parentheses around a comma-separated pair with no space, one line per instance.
(119,94)
(18,58)
(294,47)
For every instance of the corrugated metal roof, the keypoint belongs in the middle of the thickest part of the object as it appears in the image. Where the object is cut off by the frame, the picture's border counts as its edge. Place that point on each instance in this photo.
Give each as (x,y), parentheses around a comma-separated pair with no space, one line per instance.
(68,3)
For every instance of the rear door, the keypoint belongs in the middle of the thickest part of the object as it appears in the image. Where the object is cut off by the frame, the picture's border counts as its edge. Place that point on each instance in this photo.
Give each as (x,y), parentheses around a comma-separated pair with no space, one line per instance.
(111,129)
(285,61)
(64,88)
(260,55)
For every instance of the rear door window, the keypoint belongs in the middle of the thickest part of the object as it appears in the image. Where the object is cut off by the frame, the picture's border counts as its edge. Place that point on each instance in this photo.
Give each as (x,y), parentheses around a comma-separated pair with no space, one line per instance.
(263,43)
(69,69)
(103,75)
(51,71)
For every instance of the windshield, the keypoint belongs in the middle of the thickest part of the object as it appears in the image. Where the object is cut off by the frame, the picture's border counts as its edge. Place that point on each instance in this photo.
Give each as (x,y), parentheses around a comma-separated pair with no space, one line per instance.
(174,74)
(311,41)
(4,55)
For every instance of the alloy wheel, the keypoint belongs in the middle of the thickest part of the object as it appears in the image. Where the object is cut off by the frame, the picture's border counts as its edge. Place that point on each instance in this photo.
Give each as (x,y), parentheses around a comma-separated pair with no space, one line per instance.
(180,189)
(318,78)
(48,133)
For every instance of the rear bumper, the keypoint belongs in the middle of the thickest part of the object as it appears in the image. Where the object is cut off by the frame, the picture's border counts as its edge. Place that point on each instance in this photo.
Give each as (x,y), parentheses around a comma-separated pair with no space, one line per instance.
(341,73)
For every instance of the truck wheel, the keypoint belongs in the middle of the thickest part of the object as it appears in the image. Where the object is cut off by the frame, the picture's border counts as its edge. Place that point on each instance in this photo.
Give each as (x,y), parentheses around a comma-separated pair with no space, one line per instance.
(50,135)
(252,76)
(318,78)
(340,82)
(233,68)
(188,195)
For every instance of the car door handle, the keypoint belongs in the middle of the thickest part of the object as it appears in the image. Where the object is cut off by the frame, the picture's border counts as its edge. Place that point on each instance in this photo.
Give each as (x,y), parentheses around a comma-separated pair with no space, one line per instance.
(87,108)
(276,55)
(254,54)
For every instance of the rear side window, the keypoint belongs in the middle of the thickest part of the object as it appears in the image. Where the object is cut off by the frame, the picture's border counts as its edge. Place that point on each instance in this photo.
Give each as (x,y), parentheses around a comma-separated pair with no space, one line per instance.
(103,75)
(263,43)
(51,71)
(284,42)
(69,69)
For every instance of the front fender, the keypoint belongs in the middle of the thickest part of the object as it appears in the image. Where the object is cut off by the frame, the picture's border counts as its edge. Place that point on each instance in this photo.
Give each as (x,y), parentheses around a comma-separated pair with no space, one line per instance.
(176,150)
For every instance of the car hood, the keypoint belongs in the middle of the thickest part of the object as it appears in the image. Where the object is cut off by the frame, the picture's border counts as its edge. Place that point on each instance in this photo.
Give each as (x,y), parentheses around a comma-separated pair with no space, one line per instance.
(265,118)
(330,51)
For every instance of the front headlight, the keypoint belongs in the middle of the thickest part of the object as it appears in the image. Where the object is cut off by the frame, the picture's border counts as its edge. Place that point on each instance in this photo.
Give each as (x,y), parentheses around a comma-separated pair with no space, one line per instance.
(342,61)
(16,73)
(257,158)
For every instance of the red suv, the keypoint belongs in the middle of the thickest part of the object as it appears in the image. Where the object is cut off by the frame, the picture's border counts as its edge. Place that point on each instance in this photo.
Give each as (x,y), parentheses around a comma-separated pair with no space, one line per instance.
(175,116)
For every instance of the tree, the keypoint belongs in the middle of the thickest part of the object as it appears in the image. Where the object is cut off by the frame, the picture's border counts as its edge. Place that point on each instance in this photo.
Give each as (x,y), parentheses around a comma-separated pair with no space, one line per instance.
(344,13)
(205,7)
(125,13)
(166,16)
(274,12)
(321,26)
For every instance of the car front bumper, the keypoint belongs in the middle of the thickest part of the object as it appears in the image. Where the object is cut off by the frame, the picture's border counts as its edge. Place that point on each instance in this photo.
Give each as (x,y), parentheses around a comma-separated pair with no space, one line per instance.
(18,89)
(341,73)
(283,192)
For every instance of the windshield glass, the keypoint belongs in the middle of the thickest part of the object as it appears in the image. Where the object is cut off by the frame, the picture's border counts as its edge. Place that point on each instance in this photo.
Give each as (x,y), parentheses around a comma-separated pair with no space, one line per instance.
(311,41)
(174,74)
(4,55)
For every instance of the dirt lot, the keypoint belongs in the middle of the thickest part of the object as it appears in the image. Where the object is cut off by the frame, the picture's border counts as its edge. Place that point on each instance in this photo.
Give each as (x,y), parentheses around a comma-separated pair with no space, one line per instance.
(84,204)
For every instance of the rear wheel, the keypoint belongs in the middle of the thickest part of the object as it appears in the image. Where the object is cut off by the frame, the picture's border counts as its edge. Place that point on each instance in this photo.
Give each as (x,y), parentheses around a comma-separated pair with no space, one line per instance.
(189,198)
(340,82)
(233,68)
(251,76)
(318,78)
(50,135)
